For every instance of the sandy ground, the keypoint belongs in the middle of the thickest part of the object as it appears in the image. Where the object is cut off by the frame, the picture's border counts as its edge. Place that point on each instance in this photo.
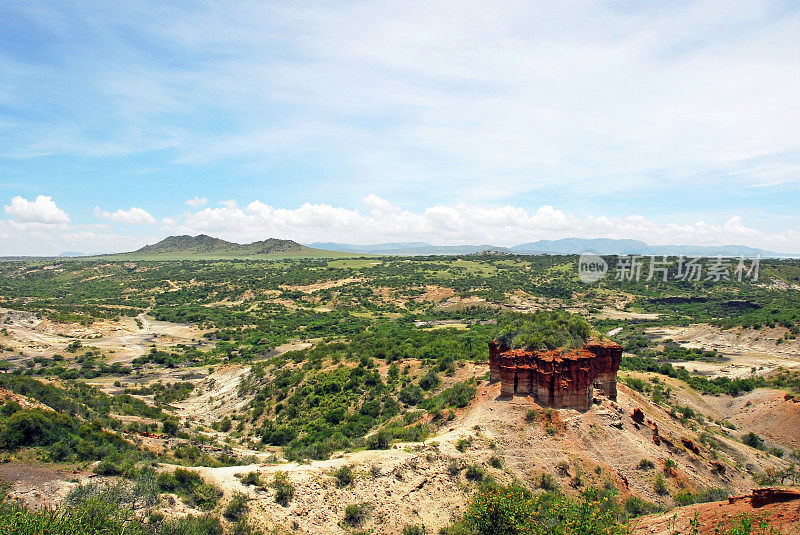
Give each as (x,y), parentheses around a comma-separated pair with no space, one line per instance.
(400,489)
(217,394)
(311,288)
(749,347)
(123,340)
(765,412)
(615,314)
(39,485)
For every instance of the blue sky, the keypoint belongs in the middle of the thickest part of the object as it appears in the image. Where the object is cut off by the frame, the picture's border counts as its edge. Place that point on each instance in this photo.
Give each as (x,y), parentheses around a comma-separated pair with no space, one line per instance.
(463,122)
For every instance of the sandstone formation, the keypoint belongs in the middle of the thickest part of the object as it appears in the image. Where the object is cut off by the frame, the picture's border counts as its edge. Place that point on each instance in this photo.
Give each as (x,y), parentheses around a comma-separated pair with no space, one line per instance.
(558,378)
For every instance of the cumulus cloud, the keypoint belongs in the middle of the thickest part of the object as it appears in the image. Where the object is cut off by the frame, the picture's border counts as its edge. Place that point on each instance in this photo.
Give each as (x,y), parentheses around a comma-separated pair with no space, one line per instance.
(43,210)
(196,201)
(132,216)
(461,224)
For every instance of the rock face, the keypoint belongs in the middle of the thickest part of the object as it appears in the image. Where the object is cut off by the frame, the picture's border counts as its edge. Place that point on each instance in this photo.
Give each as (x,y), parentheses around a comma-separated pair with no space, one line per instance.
(559,379)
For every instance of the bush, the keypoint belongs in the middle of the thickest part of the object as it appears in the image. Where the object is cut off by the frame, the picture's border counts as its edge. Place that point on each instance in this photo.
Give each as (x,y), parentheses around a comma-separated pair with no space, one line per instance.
(236,507)
(108,467)
(284,491)
(430,380)
(776,452)
(169,427)
(187,479)
(474,473)
(660,486)
(225,424)
(547,482)
(635,506)
(515,511)
(415,529)
(252,478)
(356,513)
(542,330)
(454,467)
(205,496)
(167,481)
(344,476)
(753,440)
(34,427)
(191,525)
(379,441)
(712,494)
(411,395)
(669,467)
(646,464)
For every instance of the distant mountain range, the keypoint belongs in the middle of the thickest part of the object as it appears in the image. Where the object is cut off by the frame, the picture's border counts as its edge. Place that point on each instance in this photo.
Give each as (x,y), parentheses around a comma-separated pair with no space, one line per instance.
(562,246)
(208,247)
(203,244)
(407,248)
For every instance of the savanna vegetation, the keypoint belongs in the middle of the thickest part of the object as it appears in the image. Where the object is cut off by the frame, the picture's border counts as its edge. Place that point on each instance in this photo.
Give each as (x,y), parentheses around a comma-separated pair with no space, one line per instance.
(390,349)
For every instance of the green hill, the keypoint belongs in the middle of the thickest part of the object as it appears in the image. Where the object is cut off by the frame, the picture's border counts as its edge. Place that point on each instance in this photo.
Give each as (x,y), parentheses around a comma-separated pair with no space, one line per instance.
(202,247)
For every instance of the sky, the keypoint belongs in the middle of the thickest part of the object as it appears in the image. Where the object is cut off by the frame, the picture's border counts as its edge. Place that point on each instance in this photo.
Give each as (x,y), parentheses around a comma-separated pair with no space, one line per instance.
(468,122)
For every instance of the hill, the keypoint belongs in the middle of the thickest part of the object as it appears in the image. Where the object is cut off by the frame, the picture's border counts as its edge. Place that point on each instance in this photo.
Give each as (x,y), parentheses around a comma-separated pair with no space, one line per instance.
(203,246)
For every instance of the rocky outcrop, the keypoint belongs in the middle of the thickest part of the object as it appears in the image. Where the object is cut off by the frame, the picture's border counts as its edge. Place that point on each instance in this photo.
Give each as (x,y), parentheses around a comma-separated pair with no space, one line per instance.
(767,495)
(560,378)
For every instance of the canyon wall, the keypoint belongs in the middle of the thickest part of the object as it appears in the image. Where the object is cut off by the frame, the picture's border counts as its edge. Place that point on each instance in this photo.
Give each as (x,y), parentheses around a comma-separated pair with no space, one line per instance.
(559,378)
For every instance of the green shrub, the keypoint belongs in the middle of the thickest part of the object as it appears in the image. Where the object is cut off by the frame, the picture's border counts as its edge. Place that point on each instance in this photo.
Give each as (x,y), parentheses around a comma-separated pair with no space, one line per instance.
(356,513)
(430,380)
(284,491)
(252,478)
(646,464)
(543,329)
(34,427)
(191,525)
(379,441)
(205,496)
(547,482)
(167,481)
(515,511)
(169,427)
(635,506)
(108,467)
(236,507)
(659,485)
(753,440)
(411,395)
(474,473)
(344,476)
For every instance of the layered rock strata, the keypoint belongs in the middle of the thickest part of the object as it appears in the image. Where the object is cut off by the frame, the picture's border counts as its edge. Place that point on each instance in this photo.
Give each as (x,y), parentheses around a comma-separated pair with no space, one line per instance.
(558,378)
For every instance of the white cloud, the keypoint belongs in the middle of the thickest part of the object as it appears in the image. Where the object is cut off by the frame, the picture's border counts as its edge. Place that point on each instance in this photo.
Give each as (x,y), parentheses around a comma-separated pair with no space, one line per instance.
(477,102)
(196,201)
(132,216)
(461,223)
(43,210)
